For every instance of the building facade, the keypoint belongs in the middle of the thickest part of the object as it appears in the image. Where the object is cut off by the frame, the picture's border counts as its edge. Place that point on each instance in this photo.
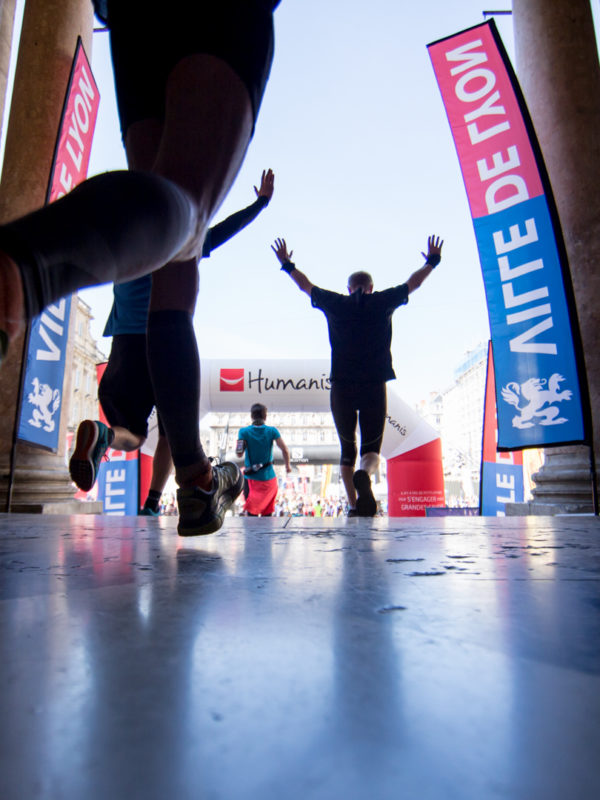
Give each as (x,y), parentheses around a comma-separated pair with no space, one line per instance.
(83,399)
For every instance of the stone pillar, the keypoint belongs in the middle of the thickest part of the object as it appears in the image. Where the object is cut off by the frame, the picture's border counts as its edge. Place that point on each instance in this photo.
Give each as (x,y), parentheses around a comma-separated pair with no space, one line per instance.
(48,40)
(558,69)
(7,19)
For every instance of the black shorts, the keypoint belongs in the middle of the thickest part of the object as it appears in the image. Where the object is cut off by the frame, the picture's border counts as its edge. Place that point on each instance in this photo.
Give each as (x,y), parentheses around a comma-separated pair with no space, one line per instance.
(365,403)
(146,46)
(125,391)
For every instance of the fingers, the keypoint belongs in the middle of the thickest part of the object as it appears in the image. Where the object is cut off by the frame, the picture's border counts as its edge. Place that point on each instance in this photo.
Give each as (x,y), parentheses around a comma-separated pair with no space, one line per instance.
(435,241)
(280,249)
(267,182)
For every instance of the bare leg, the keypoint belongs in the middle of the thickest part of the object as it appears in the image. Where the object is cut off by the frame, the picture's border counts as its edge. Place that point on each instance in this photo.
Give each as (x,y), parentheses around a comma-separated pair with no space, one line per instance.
(369,462)
(162,465)
(207,129)
(126,440)
(347,472)
(204,160)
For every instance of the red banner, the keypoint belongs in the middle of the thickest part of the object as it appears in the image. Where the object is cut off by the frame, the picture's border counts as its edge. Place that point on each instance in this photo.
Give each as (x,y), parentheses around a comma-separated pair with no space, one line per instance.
(74,143)
(416,481)
(501,473)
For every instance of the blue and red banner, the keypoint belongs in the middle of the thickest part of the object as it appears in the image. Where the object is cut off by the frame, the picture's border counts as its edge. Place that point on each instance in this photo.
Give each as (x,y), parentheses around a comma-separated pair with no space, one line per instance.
(39,418)
(541,396)
(501,472)
(118,475)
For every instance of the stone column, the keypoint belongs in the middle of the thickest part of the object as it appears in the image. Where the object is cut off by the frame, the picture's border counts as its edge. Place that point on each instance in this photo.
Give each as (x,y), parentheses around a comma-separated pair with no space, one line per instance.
(7,19)
(48,40)
(558,69)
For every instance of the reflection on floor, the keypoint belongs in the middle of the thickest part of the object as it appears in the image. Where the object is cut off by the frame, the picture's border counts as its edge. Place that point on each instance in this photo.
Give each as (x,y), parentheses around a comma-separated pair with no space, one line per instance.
(292,659)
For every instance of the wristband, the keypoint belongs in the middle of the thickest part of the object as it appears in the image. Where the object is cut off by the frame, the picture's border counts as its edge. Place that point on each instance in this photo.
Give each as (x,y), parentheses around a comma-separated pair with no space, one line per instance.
(288,266)
(433,259)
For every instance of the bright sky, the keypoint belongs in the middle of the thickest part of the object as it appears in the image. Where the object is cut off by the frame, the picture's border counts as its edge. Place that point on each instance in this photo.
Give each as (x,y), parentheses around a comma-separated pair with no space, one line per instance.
(365,169)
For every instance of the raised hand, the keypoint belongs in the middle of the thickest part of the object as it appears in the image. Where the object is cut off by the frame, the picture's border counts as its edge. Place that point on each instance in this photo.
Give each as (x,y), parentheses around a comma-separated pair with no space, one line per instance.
(267,185)
(434,251)
(281,251)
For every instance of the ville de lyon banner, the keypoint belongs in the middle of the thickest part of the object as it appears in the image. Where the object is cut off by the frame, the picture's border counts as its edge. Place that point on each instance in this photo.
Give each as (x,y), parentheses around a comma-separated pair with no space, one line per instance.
(48,334)
(541,390)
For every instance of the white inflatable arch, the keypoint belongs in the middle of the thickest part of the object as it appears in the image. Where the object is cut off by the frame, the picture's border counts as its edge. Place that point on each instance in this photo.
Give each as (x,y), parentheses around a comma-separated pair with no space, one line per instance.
(411,446)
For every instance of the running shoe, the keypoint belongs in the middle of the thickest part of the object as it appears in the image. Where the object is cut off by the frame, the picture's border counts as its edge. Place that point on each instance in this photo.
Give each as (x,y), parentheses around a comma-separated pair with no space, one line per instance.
(203,512)
(366,505)
(148,512)
(92,442)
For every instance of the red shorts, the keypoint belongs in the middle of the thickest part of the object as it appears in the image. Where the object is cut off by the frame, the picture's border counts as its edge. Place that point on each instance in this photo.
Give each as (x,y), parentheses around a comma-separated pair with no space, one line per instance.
(261,496)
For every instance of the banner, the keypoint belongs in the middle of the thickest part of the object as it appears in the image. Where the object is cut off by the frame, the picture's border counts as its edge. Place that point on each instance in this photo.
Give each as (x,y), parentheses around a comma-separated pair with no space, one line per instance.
(501,472)
(118,484)
(537,356)
(284,384)
(416,481)
(118,475)
(39,418)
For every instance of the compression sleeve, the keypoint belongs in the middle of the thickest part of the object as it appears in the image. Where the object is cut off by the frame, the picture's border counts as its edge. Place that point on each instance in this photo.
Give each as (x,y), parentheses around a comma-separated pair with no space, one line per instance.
(224,230)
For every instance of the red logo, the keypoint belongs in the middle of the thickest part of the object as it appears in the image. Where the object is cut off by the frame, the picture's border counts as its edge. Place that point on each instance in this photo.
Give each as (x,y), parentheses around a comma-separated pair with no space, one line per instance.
(231,380)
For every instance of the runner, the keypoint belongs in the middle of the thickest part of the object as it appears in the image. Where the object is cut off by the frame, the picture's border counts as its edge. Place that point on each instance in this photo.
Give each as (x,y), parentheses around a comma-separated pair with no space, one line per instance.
(360,334)
(189,82)
(256,441)
(125,392)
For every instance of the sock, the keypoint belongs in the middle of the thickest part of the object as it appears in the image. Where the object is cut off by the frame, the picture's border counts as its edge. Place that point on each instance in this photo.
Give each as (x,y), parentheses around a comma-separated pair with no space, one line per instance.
(175,371)
(153,500)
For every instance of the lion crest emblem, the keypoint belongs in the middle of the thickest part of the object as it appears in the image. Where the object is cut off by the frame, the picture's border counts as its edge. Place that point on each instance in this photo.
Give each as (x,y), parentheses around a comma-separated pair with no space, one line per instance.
(534,400)
(46,402)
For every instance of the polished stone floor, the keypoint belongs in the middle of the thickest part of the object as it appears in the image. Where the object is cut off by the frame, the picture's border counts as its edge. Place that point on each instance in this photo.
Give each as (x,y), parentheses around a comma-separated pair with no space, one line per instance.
(291,659)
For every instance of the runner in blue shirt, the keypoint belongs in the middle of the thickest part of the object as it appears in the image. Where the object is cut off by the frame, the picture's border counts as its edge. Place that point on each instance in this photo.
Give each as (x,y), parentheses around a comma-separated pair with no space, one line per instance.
(256,441)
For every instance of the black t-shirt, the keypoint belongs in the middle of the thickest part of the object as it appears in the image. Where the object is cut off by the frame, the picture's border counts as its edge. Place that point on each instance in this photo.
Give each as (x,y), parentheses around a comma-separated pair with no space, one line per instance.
(360,331)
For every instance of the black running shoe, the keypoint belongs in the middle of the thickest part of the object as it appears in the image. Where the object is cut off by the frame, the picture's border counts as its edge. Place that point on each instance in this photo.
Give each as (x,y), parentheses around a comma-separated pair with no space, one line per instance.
(366,505)
(203,512)
(92,442)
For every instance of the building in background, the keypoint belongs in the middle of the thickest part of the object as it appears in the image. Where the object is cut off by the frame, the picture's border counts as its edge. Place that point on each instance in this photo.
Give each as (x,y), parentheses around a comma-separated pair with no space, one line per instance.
(83,402)
(457,413)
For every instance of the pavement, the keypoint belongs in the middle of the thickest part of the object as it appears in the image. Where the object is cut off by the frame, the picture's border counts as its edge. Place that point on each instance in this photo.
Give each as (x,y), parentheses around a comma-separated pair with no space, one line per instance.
(292,658)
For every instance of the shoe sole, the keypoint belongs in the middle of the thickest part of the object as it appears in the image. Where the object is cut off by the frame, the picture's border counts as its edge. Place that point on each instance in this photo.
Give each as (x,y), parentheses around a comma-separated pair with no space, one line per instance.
(81,466)
(224,503)
(366,505)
